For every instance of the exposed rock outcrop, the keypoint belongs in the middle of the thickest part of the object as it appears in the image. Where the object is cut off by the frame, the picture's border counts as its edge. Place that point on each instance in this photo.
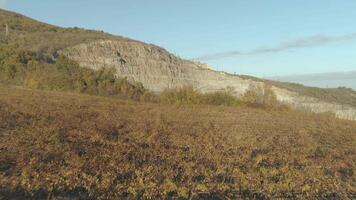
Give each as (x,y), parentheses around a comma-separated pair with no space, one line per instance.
(157,69)
(153,66)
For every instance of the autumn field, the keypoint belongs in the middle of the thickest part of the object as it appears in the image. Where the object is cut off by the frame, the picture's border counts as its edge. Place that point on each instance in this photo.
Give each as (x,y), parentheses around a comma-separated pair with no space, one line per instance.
(56,145)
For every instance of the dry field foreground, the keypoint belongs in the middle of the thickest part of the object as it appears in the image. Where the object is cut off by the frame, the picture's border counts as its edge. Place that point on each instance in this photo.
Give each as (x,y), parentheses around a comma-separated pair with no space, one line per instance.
(70,146)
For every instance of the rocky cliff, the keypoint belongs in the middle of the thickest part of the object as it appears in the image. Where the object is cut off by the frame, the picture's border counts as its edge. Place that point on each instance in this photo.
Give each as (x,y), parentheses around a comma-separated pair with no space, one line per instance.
(153,66)
(157,69)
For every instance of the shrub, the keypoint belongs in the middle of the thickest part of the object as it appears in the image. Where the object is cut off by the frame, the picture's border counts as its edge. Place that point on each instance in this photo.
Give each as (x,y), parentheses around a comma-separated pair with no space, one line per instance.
(224,97)
(260,96)
(188,95)
(183,95)
(150,97)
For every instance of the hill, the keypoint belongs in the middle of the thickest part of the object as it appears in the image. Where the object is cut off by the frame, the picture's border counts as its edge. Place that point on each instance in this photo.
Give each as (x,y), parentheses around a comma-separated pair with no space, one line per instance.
(41,56)
(68,146)
(88,115)
(40,37)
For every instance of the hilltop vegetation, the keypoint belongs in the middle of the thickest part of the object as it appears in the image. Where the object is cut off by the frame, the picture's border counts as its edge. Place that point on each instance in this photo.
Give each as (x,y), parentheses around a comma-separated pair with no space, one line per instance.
(68,146)
(43,38)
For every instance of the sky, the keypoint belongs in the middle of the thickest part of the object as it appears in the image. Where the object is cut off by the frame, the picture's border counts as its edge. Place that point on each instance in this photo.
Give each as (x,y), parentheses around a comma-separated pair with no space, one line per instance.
(264,38)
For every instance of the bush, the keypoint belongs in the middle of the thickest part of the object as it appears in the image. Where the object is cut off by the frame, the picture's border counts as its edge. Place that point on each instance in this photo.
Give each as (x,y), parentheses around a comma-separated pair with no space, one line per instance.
(150,97)
(183,95)
(188,95)
(260,96)
(224,97)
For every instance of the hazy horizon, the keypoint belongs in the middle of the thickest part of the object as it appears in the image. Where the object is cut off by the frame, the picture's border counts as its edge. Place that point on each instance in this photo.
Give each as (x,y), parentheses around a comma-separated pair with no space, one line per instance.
(323,80)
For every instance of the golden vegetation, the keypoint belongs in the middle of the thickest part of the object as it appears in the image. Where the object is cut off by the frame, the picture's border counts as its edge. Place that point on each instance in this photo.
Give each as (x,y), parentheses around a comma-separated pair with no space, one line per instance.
(188,95)
(260,96)
(43,38)
(69,146)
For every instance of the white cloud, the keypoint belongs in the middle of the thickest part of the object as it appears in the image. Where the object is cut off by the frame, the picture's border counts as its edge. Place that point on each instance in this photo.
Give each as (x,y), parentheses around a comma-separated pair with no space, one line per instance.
(299,43)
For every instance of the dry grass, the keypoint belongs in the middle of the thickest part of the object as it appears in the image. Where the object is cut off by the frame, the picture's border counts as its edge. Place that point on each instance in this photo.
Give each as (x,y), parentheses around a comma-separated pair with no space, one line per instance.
(71,146)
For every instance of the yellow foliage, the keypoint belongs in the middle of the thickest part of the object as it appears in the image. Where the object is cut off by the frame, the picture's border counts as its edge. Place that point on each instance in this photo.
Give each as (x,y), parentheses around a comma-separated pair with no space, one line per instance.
(201,187)
(183,192)
(169,186)
(306,188)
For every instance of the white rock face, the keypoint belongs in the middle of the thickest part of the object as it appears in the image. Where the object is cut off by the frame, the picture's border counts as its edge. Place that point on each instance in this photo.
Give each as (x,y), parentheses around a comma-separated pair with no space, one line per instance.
(157,70)
(306,103)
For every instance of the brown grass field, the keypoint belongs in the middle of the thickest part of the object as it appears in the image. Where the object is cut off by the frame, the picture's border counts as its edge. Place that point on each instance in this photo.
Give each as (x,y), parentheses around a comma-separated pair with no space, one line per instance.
(71,146)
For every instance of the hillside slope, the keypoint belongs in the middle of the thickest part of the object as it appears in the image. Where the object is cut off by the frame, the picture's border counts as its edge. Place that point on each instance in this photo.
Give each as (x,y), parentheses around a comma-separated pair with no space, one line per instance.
(69,146)
(156,68)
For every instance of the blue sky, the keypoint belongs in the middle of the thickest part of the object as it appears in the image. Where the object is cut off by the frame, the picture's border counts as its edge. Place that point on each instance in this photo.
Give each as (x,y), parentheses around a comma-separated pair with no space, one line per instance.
(255,37)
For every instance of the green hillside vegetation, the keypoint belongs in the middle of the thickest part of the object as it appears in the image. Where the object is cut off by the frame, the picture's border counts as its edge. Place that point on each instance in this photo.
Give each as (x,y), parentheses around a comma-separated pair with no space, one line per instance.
(43,38)
(28,58)
(31,70)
